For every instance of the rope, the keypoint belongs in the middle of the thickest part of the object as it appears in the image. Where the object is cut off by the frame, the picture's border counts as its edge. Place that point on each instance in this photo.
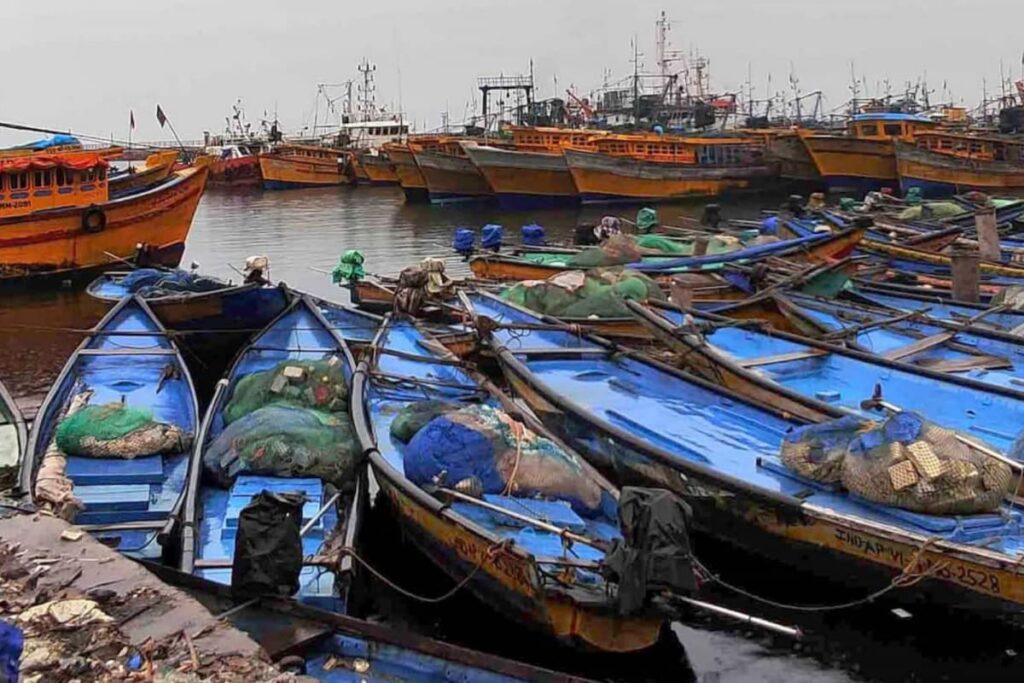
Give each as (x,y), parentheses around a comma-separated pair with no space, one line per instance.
(351,552)
(909,576)
(517,431)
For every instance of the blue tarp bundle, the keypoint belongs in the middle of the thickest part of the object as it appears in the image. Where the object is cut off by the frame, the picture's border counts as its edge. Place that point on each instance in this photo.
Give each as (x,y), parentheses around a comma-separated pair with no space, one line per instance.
(47,143)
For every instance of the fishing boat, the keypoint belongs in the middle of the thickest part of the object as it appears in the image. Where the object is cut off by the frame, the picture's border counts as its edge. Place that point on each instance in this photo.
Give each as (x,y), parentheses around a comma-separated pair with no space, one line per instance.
(941,164)
(327,646)
(236,164)
(816,380)
(411,179)
(378,167)
(489,542)
(308,332)
(784,147)
(58,220)
(653,424)
(532,172)
(661,167)
(291,166)
(909,259)
(185,301)
(863,159)
(939,306)
(127,372)
(448,172)
(155,169)
(13,434)
(816,248)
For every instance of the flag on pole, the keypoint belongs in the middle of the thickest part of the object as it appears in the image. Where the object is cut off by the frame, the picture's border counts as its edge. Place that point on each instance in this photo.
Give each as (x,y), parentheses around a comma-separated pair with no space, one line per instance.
(131,119)
(160,116)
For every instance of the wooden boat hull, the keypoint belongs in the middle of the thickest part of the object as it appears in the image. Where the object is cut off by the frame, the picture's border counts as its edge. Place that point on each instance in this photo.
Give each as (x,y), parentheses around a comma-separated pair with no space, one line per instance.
(762,521)
(508,576)
(287,172)
(56,243)
(12,446)
(414,185)
(450,178)
(850,164)
(157,168)
(912,255)
(524,179)
(942,175)
(603,177)
(379,171)
(239,172)
(795,163)
(132,503)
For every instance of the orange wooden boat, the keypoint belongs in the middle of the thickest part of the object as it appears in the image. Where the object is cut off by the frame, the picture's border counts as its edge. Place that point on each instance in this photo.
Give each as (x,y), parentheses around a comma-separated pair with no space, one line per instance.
(376,165)
(289,166)
(644,167)
(449,173)
(941,164)
(156,168)
(864,158)
(784,147)
(235,165)
(411,179)
(57,219)
(533,171)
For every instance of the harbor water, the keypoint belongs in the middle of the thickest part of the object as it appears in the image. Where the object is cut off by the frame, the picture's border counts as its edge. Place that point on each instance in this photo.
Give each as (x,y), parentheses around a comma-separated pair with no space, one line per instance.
(304,233)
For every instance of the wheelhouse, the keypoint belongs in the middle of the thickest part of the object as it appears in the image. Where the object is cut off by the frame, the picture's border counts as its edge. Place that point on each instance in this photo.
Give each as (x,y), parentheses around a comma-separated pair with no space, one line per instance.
(884,126)
(683,150)
(973,147)
(550,139)
(43,182)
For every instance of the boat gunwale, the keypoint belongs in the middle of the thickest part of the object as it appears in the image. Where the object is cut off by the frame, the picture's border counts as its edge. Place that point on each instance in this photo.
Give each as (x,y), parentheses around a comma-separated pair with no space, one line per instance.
(18,420)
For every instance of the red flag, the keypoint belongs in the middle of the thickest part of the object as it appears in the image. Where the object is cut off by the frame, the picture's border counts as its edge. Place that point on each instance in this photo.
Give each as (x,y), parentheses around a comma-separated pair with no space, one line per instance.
(160,116)
(131,118)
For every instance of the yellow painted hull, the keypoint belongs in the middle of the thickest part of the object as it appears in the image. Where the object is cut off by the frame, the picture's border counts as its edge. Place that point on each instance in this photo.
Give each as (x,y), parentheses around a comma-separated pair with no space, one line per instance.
(938,174)
(521,174)
(849,163)
(451,178)
(284,171)
(57,242)
(408,173)
(509,581)
(897,251)
(379,171)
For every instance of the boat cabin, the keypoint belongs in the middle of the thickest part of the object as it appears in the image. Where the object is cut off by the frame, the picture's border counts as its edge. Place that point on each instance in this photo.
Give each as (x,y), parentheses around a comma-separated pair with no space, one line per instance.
(372,134)
(322,154)
(683,150)
(973,147)
(550,139)
(884,125)
(41,182)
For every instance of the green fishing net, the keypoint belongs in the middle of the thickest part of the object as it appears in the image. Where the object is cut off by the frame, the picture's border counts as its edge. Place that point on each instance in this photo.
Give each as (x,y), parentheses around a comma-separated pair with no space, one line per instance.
(316,384)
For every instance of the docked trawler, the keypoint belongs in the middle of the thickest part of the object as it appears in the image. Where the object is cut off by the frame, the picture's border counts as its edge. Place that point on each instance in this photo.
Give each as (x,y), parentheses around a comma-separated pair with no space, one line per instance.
(943,163)
(290,166)
(57,216)
(864,158)
(655,167)
(533,171)
(448,172)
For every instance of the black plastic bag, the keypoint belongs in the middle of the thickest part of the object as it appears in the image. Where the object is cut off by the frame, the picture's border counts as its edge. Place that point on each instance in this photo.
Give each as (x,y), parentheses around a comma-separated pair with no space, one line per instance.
(268,547)
(654,553)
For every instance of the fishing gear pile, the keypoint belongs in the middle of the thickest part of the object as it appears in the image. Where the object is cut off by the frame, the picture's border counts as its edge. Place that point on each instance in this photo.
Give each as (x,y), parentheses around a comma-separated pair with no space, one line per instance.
(154,282)
(600,293)
(482,450)
(290,421)
(116,430)
(904,461)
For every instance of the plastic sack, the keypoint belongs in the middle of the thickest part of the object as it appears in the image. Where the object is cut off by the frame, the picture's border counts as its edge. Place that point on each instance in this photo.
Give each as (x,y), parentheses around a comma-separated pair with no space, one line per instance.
(484,444)
(349,268)
(533,235)
(464,240)
(268,546)
(646,220)
(491,236)
(908,462)
(114,430)
(816,451)
(284,441)
(317,384)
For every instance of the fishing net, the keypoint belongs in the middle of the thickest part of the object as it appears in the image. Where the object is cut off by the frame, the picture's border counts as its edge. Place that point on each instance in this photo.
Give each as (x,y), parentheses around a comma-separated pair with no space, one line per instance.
(661,244)
(349,268)
(928,210)
(316,384)
(417,284)
(499,455)
(646,220)
(617,250)
(414,416)
(600,293)
(817,451)
(911,463)
(115,430)
(150,282)
(285,441)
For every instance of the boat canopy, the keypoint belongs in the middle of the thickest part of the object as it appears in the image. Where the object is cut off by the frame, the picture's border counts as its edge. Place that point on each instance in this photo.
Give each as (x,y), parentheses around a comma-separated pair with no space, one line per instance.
(43,162)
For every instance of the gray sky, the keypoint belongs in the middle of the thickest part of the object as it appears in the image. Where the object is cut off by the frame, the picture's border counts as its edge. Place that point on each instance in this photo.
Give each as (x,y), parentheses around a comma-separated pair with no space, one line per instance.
(83,65)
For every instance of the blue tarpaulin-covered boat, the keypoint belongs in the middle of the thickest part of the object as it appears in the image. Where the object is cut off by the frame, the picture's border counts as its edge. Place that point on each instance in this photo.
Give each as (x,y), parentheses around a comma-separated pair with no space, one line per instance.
(546,578)
(309,334)
(648,422)
(130,499)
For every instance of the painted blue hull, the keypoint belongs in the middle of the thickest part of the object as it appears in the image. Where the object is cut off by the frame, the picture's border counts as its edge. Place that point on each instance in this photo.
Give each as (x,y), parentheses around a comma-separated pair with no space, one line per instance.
(929,189)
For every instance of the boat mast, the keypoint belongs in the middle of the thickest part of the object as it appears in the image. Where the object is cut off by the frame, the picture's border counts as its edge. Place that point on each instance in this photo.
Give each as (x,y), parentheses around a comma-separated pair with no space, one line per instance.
(367,91)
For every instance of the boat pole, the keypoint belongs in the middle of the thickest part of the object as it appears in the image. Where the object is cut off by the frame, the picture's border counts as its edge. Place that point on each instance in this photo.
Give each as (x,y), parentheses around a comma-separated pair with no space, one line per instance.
(774,627)
(319,513)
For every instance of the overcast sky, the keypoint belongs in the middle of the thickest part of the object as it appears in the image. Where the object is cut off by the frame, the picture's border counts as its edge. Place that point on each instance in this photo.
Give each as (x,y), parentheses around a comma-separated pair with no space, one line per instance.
(83,65)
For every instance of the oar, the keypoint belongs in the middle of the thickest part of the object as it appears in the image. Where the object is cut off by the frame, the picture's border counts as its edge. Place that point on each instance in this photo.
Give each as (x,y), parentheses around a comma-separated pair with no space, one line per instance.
(125,261)
(565,533)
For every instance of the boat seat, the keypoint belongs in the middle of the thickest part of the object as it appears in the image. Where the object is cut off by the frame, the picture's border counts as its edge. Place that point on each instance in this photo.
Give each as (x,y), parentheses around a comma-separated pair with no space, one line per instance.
(115,503)
(781,358)
(102,471)
(247,486)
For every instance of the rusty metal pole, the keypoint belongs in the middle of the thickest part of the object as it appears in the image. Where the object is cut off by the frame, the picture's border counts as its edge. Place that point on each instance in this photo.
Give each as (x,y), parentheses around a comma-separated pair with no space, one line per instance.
(965,274)
(988,235)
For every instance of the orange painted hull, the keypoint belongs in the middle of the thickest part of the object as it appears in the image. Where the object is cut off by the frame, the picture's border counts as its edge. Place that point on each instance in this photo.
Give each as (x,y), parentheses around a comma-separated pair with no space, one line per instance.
(237,172)
(523,176)
(379,171)
(853,164)
(409,176)
(938,174)
(281,172)
(606,177)
(157,168)
(57,243)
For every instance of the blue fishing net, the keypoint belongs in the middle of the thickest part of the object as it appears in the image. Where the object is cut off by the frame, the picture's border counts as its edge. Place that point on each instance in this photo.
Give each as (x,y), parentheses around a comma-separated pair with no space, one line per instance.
(150,282)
